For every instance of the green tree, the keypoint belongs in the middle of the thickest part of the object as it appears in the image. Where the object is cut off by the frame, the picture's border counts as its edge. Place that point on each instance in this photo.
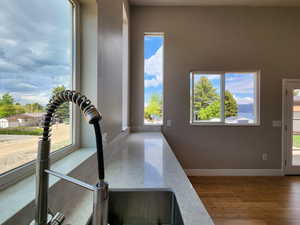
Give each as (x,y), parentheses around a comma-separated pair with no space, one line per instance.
(19,109)
(154,108)
(231,107)
(7,107)
(211,111)
(63,111)
(204,94)
(207,101)
(6,99)
(7,110)
(34,107)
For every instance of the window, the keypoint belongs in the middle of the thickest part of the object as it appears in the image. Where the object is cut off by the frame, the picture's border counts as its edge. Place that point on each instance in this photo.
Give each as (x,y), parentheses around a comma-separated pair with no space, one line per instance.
(37,52)
(230,98)
(125,70)
(153,78)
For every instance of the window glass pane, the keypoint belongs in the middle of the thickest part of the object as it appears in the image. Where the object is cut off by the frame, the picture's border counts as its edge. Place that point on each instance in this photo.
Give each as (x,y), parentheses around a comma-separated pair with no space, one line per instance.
(207,100)
(296,128)
(240,98)
(153,79)
(35,62)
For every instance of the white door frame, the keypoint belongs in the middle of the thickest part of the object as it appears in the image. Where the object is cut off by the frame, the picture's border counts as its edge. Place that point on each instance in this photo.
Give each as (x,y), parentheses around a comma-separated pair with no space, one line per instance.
(287,167)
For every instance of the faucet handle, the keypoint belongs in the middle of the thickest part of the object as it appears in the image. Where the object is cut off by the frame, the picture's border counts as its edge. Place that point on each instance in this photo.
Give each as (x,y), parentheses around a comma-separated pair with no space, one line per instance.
(57,219)
(50,217)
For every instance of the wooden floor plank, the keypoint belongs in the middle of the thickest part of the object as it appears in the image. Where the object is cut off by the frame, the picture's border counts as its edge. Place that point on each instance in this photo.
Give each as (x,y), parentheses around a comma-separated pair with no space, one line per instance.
(250,200)
(239,222)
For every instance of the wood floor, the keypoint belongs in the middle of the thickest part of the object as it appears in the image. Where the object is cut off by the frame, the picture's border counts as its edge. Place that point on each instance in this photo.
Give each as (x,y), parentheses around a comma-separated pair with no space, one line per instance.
(250,200)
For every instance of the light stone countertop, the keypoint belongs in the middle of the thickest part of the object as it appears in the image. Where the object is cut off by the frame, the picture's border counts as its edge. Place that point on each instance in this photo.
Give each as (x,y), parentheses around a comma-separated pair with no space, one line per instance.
(147,162)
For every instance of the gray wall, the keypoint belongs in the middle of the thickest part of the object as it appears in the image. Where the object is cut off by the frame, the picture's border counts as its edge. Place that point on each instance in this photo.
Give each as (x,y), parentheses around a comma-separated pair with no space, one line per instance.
(110,22)
(101,64)
(218,38)
(88,65)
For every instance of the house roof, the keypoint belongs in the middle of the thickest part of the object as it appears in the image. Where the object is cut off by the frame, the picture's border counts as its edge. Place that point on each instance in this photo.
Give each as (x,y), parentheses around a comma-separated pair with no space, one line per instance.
(296,108)
(24,116)
(19,116)
(35,115)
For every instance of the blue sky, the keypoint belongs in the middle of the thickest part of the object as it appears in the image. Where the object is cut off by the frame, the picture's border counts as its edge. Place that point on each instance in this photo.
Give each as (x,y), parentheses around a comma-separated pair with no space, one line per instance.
(153,57)
(241,85)
(35,51)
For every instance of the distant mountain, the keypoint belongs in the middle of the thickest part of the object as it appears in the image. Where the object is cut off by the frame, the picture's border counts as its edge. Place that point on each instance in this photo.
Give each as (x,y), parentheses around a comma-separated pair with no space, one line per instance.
(246,108)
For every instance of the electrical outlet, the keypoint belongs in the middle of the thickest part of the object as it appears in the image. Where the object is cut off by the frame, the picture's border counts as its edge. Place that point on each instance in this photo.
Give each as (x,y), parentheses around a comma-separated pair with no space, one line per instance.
(265,156)
(169,123)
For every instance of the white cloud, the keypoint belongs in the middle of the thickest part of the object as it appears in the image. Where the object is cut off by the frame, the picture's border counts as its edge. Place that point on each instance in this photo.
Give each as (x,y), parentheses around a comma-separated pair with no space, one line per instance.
(26,86)
(35,48)
(240,84)
(213,77)
(2,28)
(244,100)
(39,49)
(240,87)
(154,66)
(33,98)
(4,41)
(152,83)
(7,66)
(210,77)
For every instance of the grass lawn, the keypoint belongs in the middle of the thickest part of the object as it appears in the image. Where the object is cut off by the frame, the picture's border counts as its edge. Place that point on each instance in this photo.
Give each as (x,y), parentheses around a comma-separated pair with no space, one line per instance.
(22,131)
(296,141)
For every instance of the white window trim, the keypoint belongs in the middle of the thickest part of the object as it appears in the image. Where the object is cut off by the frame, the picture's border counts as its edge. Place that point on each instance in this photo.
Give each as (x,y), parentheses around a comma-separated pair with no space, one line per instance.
(163,73)
(222,123)
(125,69)
(12,176)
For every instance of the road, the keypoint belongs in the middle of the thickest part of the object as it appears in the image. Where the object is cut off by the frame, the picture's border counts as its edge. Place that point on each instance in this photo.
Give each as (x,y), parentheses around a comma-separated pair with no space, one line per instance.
(16,150)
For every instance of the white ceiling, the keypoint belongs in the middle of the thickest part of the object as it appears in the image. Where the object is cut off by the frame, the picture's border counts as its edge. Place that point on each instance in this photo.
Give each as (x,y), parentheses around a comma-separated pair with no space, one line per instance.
(217,2)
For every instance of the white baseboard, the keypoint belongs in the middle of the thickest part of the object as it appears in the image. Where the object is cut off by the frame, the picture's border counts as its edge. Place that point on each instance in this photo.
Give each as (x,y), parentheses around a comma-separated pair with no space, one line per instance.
(234,172)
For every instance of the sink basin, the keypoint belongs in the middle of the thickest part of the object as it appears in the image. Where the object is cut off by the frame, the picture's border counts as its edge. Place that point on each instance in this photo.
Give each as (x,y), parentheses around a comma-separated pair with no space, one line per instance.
(143,208)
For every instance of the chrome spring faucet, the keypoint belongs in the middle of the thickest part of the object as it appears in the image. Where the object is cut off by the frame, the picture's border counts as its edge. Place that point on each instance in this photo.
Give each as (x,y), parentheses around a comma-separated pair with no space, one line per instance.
(100,191)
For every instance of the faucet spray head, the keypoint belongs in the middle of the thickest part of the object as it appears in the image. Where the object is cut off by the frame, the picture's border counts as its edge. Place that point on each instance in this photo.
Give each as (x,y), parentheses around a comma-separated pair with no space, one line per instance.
(89,111)
(92,116)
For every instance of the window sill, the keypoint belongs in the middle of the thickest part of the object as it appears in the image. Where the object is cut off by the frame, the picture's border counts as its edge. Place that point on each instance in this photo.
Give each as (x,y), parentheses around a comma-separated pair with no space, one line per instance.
(225,125)
(19,195)
(13,176)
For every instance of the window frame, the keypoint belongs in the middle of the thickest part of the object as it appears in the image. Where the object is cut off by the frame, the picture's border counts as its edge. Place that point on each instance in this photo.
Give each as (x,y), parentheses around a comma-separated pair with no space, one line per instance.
(155,34)
(125,69)
(12,176)
(222,89)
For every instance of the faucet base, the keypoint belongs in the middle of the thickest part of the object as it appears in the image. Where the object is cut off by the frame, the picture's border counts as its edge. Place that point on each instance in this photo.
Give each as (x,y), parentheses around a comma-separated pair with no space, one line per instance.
(100,204)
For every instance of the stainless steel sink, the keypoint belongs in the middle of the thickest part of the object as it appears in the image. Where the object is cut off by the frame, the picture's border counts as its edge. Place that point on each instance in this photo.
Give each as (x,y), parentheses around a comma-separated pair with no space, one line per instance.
(143,208)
